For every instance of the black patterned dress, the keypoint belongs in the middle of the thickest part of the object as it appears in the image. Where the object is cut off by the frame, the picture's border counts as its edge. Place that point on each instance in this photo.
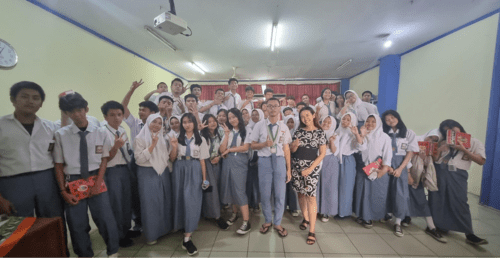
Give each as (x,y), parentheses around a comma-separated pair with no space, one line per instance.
(303,158)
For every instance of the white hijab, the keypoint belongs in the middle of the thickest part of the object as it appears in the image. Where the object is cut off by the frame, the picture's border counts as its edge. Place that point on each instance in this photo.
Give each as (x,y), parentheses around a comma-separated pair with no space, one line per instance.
(373,141)
(330,131)
(249,113)
(159,156)
(358,107)
(295,123)
(433,132)
(251,124)
(345,137)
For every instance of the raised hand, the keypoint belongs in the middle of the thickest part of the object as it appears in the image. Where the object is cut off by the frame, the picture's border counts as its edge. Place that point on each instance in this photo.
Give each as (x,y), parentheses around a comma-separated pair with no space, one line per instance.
(226,129)
(204,125)
(155,138)
(119,142)
(363,130)
(136,84)
(174,142)
(332,138)
(354,130)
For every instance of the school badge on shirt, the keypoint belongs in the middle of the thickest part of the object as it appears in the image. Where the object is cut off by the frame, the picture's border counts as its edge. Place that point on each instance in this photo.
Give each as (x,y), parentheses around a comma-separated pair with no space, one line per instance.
(98,149)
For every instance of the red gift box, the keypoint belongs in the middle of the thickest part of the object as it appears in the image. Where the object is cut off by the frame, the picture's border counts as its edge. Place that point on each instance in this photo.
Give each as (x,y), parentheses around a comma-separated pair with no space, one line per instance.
(377,164)
(454,138)
(81,188)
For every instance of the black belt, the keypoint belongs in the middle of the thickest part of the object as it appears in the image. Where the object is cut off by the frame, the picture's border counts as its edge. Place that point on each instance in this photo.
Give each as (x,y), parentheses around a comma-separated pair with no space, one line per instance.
(121,165)
(188,158)
(306,153)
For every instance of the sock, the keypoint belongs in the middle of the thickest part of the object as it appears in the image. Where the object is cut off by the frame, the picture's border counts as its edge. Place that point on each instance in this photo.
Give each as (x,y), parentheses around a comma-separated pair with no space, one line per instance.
(186,239)
(245,222)
(398,221)
(390,214)
(430,223)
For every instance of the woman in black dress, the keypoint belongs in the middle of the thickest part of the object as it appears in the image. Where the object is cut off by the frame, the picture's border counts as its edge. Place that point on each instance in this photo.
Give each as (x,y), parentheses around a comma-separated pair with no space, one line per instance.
(307,140)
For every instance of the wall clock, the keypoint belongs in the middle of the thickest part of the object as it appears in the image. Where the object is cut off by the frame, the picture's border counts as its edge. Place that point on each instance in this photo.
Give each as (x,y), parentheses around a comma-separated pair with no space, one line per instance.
(8,55)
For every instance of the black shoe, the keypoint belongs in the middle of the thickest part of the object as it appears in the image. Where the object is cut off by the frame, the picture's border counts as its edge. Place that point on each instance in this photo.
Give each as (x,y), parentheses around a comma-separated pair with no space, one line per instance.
(126,242)
(189,246)
(359,220)
(222,224)
(244,229)
(386,218)
(442,231)
(474,240)
(367,224)
(133,234)
(406,222)
(234,218)
(436,235)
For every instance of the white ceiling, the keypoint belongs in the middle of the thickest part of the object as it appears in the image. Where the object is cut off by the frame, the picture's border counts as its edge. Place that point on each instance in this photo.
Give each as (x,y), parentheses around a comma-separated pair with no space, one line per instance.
(314,36)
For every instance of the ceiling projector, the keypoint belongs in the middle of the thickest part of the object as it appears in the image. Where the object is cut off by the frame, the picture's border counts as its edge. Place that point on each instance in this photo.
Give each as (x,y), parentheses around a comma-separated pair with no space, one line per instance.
(170,23)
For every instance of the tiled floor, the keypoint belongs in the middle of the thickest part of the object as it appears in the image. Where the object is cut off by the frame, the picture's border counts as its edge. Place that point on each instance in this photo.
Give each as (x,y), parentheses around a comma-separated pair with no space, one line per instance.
(336,238)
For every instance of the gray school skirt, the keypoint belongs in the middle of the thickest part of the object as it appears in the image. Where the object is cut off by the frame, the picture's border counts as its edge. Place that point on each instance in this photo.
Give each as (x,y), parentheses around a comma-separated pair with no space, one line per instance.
(233,179)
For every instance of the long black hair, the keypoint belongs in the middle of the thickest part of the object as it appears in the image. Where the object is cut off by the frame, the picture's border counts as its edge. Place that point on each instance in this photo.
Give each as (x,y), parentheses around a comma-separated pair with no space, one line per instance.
(241,124)
(315,121)
(182,134)
(450,124)
(323,91)
(401,126)
(205,132)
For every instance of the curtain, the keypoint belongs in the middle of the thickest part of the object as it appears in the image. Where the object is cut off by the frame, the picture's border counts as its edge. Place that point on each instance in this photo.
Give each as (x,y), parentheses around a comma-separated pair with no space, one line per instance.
(313,90)
(208,91)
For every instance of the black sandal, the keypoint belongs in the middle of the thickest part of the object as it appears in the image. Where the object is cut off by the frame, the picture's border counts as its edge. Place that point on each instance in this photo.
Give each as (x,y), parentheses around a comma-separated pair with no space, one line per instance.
(265,229)
(282,232)
(303,224)
(310,241)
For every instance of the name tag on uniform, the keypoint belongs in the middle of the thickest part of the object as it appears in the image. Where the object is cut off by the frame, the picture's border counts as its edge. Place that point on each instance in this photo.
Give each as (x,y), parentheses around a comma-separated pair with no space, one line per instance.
(404,146)
(196,153)
(98,149)
(51,146)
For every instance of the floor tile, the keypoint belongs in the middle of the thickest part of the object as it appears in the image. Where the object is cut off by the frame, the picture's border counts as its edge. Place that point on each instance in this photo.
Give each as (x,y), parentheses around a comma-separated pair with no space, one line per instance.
(451,248)
(493,222)
(183,253)
(416,227)
(370,244)
(492,249)
(295,242)
(167,242)
(207,225)
(120,254)
(230,241)
(155,253)
(330,243)
(304,255)
(228,254)
(482,228)
(331,226)
(270,242)
(407,245)
(204,241)
(350,226)
(383,228)
(341,255)
(263,254)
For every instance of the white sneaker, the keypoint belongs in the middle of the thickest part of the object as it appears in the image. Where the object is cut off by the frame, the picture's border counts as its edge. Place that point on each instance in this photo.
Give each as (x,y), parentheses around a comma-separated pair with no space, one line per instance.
(114,255)
(325,219)
(152,242)
(295,213)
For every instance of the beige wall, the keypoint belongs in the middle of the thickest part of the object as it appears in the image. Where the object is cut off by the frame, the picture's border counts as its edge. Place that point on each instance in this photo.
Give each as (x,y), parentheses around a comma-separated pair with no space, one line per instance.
(365,81)
(60,56)
(451,79)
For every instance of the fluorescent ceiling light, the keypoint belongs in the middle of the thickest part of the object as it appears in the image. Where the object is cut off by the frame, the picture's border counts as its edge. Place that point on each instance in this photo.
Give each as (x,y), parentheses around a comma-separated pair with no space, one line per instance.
(387,44)
(159,38)
(197,68)
(273,36)
(344,64)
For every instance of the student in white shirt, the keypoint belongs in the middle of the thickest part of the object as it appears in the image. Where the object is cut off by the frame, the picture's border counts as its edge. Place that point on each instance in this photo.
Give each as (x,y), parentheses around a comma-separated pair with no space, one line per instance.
(367,96)
(27,182)
(404,144)
(175,127)
(117,173)
(448,205)
(160,88)
(300,106)
(305,98)
(339,104)
(196,90)
(213,107)
(221,119)
(355,105)
(178,89)
(146,108)
(232,99)
(153,175)
(290,104)
(192,107)
(234,150)
(84,142)
(188,178)
(252,186)
(291,199)
(326,107)
(274,165)
(245,113)
(249,101)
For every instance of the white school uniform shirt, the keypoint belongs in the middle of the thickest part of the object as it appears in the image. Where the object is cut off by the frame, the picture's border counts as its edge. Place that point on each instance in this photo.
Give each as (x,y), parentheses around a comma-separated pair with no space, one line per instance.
(260,132)
(118,159)
(376,143)
(135,125)
(461,162)
(233,97)
(67,147)
(91,119)
(294,110)
(172,134)
(21,152)
(250,105)
(197,152)
(323,112)
(176,110)
(407,144)
(238,140)
(215,108)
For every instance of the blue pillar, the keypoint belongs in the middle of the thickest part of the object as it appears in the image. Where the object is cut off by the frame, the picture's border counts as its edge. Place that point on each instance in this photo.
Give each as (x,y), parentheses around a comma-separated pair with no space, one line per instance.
(388,83)
(490,187)
(344,85)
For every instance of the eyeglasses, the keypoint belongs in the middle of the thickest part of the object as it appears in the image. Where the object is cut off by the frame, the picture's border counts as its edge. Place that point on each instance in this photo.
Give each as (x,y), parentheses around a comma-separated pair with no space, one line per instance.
(272,106)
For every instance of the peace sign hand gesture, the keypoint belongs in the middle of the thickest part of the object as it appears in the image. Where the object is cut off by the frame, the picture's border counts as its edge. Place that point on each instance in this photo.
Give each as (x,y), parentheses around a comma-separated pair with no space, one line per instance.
(119,142)
(226,129)
(136,84)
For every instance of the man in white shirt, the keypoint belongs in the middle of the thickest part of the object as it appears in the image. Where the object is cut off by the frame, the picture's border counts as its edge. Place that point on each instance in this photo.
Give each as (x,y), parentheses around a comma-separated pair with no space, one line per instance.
(216,105)
(80,152)
(118,172)
(192,107)
(232,99)
(290,103)
(305,99)
(160,88)
(272,138)
(249,101)
(27,182)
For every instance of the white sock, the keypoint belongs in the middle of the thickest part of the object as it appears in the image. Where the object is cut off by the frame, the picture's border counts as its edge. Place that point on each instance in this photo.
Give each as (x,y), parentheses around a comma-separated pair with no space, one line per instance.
(245,222)
(398,221)
(186,239)
(390,214)
(430,223)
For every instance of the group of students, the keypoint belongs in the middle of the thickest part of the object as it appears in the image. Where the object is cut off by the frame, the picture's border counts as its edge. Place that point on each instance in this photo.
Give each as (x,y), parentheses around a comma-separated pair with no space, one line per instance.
(186,159)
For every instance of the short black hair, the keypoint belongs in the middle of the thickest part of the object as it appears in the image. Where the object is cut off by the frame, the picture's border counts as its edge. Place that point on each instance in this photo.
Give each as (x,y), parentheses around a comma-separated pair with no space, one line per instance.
(191,96)
(165,97)
(323,91)
(290,97)
(268,90)
(232,79)
(16,88)
(177,79)
(249,88)
(71,102)
(273,98)
(301,104)
(335,93)
(158,85)
(450,124)
(286,109)
(305,95)
(367,91)
(194,86)
(219,89)
(111,105)
(149,105)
